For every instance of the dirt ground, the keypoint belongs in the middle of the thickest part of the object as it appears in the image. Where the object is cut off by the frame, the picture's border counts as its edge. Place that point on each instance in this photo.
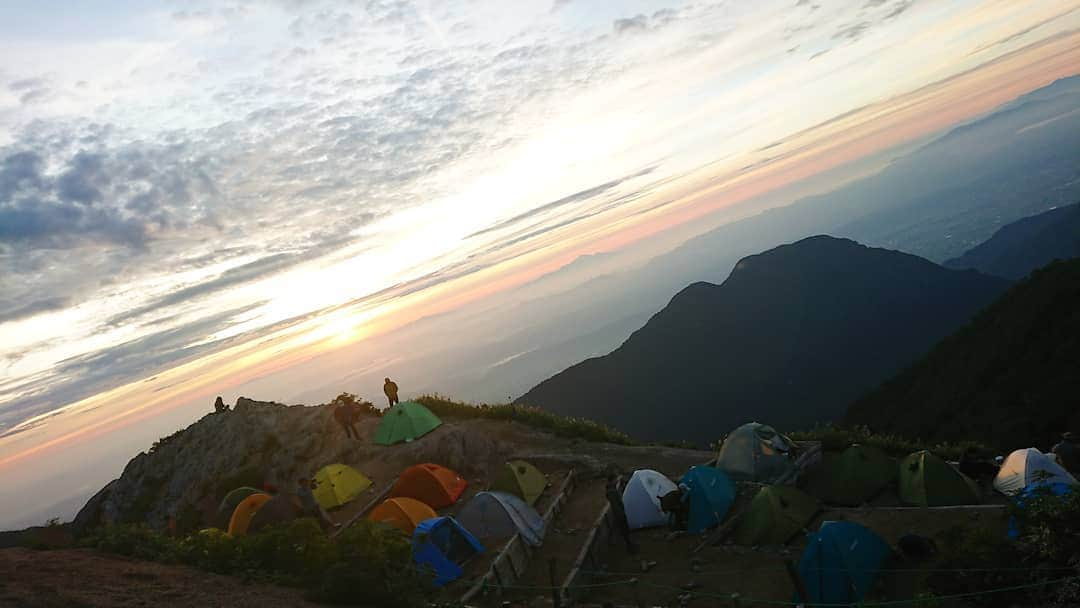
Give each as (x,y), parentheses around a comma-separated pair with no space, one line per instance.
(78,578)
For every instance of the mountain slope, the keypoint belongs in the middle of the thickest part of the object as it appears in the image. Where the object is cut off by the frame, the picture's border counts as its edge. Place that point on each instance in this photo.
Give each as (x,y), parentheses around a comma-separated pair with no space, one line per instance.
(1009,378)
(1024,245)
(791,337)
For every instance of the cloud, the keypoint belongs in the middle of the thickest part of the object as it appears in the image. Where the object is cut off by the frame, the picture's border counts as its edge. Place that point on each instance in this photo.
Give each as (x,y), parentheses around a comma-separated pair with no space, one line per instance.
(637,23)
(566,200)
(11,311)
(120,196)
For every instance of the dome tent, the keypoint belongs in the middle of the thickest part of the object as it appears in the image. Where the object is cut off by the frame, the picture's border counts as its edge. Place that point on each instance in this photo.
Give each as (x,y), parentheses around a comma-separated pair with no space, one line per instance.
(928,481)
(228,504)
(402,513)
(755,452)
(710,493)
(859,474)
(521,479)
(279,509)
(1025,467)
(775,515)
(337,484)
(244,511)
(405,421)
(431,484)
(840,563)
(440,545)
(501,515)
(641,498)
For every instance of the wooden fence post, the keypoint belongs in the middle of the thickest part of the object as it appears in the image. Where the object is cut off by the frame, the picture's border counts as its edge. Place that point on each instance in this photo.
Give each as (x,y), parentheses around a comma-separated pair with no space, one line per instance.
(556,601)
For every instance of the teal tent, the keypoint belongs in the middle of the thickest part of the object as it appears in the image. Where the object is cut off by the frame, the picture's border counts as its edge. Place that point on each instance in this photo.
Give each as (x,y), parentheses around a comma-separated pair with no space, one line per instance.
(404,422)
(710,493)
(841,563)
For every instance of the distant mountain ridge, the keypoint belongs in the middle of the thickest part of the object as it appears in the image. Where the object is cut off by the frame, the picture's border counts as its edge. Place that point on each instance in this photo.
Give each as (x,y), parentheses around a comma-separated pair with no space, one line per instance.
(1009,378)
(1026,244)
(790,338)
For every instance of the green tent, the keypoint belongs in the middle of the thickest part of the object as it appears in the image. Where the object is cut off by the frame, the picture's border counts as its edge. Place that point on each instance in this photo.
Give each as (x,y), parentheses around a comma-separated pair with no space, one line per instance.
(859,474)
(928,481)
(404,422)
(521,479)
(775,516)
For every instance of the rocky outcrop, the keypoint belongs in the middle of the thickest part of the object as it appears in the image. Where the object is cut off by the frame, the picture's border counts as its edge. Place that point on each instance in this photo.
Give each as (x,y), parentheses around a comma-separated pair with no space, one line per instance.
(186,474)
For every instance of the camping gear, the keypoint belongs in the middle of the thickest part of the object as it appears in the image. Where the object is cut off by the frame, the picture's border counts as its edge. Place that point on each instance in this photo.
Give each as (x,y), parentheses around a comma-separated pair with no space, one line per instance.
(228,504)
(404,422)
(1025,467)
(858,474)
(840,564)
(337,484)
(521,479)
(244,511)
(775,515)
(1034,490)
(928,481)
(431,484)
(440,545)
(501,515)
(279,509)
(755,452)
(641,498)
(403,513)
(710,493)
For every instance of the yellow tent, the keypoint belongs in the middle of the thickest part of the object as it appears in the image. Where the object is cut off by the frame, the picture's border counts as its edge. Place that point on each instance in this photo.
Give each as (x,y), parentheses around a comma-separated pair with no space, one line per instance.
(337,484)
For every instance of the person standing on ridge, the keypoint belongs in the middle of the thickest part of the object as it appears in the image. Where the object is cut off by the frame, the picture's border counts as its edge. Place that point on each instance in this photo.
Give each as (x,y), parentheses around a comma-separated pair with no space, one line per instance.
(390,389)
(1068,452)
(618,512)
(346,414)
(219,405)
(311,507)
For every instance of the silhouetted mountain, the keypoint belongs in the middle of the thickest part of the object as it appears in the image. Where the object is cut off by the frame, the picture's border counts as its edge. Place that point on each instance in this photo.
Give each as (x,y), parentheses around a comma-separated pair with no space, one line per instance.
(791,337)
(1024,245)
(1008,378)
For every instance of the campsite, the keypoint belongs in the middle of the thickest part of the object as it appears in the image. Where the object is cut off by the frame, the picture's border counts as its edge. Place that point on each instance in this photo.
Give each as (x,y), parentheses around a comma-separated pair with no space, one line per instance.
(763,514)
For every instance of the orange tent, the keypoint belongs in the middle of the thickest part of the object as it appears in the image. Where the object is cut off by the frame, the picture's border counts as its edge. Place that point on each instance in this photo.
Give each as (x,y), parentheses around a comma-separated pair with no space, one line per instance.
(244,511)
(403,513)
(431,484)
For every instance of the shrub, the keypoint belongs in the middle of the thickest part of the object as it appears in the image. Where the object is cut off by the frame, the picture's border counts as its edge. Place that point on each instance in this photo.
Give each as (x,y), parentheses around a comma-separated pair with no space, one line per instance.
(834,438)
(561,426)
(367,408)
(367,564)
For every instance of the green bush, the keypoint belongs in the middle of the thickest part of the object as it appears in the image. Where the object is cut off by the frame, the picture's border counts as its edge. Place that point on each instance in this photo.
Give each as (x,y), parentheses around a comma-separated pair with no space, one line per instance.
(1047,549)
(367,564)
(835,438)
(561,426)
(367,408)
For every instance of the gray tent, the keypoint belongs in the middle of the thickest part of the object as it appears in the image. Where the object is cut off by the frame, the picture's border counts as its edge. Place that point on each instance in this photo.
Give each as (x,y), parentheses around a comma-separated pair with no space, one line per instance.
(498,514)
(755,452)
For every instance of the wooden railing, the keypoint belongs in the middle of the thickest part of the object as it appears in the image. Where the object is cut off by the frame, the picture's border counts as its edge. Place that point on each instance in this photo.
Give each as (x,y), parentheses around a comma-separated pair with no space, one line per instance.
(381,496)
(590,557)
(513,559)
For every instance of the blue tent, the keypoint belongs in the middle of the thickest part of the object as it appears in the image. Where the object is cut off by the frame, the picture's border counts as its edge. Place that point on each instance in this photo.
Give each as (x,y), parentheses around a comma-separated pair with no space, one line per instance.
(441,545)
(710,493)
(1039,487)
(841,563)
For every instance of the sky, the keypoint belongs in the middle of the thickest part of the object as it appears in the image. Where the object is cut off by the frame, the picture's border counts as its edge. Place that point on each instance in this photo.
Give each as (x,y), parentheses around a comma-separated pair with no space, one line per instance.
(199,197)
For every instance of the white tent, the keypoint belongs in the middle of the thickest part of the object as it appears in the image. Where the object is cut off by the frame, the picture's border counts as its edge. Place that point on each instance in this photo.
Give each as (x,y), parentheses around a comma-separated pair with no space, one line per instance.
(1028,466)
(641,498)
